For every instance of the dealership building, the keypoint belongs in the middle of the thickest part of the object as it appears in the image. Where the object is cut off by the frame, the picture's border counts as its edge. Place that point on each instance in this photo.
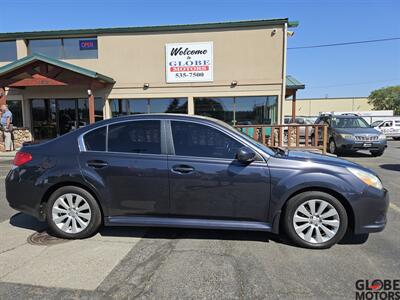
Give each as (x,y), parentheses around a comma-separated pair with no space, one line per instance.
(56,81)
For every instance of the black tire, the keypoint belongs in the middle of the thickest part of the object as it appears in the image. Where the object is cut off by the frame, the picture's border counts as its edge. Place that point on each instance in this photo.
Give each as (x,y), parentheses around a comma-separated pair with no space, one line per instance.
(332,147)
(377,153)
(396,138)
(300,199)
(93,224)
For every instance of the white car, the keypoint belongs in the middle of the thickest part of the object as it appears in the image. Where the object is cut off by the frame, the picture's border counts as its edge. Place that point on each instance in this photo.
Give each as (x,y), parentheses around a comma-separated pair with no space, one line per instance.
(390,127)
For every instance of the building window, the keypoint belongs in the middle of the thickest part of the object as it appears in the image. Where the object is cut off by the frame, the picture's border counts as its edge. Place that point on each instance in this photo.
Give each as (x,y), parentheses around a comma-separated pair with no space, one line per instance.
(239,110)
(218,108)
(15,106)
(8,51)
(65,48)
(80,48)
(120,107)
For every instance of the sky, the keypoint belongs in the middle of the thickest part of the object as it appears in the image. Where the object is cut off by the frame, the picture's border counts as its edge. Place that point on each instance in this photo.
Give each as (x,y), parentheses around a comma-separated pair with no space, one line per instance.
(342,71)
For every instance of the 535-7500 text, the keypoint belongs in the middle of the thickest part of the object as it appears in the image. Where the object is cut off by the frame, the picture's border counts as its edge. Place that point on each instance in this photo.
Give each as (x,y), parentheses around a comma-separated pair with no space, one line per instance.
(189,74)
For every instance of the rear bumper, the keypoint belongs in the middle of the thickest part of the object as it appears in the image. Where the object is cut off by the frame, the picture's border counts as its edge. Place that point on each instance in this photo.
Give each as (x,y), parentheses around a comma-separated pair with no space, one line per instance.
(23,196)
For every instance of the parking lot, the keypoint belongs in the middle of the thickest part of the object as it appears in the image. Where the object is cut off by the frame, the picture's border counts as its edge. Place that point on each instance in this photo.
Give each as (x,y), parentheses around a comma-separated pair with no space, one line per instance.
(182,263)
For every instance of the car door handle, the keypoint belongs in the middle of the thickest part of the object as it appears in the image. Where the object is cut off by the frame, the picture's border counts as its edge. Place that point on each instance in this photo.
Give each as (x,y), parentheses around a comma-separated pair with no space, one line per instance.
(182,169)
(97,164)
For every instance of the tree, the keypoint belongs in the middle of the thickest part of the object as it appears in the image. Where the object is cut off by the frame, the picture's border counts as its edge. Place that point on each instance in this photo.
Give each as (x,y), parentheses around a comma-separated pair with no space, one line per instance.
(387,98)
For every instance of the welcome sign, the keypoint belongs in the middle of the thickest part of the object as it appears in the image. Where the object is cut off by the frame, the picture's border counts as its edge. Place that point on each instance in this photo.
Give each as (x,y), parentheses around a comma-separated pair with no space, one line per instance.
(189,62)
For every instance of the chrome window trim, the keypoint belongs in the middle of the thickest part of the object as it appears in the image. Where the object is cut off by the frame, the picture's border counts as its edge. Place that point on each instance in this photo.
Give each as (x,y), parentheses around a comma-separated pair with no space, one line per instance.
(82,147)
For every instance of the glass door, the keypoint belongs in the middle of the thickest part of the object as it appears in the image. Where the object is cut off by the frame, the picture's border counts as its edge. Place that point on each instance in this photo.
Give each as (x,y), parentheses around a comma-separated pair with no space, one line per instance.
(67,115)
(53,117)
(44,123)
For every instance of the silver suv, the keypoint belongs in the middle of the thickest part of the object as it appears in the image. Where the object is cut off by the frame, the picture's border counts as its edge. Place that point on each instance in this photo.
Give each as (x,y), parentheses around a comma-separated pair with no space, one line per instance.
(350,133)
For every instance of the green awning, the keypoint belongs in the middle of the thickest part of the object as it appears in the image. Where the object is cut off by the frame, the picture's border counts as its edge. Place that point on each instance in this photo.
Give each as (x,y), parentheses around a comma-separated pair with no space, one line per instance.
(293,84)
(55,62)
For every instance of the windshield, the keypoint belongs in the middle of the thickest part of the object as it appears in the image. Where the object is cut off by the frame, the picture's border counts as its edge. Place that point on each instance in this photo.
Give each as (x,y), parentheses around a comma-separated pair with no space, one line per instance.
(349,123)
(376,123)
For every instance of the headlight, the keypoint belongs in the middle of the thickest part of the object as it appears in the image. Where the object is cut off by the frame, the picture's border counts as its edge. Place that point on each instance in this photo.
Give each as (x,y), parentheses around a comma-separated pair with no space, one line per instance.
(367,178)
(382,137)
(346,136)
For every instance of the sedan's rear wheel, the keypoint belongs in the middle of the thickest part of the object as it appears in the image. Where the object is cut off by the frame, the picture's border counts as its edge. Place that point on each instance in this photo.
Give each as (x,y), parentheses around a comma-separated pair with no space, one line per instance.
(73,213)
(315,220)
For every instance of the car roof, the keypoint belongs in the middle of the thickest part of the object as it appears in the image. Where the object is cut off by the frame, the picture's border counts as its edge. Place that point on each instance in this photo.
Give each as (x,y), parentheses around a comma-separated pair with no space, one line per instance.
(162,116)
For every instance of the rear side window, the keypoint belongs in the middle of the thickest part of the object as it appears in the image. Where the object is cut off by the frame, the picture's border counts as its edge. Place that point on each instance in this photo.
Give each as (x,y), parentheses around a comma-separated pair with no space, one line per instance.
(198,140)
(135,137)
(95,140)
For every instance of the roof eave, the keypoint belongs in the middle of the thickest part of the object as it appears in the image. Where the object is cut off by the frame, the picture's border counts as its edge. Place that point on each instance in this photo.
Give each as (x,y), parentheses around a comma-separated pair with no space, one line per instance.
(161,28)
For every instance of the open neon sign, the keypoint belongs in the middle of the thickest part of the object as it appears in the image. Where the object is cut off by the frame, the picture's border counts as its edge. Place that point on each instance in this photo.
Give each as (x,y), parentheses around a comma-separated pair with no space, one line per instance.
(88,45)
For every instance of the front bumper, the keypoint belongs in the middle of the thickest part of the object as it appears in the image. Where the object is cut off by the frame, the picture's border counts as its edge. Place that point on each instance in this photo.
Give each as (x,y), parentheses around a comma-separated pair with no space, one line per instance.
(354,145)
(370,209)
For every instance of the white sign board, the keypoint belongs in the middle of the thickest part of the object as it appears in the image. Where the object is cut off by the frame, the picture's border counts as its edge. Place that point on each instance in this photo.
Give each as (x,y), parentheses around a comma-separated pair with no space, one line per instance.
(189,62)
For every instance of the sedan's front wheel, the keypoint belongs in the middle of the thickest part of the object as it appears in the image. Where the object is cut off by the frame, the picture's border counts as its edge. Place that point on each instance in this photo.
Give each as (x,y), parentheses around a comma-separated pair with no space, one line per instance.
(73,213)
(315,220)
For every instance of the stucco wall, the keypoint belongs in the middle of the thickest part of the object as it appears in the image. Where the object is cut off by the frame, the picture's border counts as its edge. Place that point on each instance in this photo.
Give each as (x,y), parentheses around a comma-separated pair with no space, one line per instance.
(252,56)
(312,107)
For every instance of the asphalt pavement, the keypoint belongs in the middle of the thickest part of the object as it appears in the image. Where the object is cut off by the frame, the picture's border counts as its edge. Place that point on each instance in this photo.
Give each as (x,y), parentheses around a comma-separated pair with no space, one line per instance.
(183,263)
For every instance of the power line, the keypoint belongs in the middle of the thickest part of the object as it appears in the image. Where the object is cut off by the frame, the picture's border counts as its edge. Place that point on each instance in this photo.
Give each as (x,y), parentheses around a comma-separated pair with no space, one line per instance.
(351,84)
(344,44)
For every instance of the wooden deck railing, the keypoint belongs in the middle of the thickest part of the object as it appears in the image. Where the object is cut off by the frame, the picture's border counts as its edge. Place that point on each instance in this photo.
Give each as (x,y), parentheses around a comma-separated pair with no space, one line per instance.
(291,136)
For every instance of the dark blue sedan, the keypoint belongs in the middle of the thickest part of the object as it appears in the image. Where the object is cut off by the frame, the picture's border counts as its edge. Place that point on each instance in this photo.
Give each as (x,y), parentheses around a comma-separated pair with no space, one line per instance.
(169,170)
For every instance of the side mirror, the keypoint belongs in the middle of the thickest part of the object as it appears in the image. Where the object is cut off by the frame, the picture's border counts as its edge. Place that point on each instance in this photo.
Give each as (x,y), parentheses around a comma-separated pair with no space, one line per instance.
(245,155)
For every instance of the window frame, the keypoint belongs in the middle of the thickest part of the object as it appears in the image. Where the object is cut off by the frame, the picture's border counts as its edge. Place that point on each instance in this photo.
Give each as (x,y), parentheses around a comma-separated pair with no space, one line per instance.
(171,147)
(167,142)
(62,49)
(82,146)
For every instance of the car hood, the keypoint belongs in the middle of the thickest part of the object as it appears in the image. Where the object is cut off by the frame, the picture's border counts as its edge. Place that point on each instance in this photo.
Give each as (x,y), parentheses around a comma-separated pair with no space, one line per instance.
(320,158)
(368,130)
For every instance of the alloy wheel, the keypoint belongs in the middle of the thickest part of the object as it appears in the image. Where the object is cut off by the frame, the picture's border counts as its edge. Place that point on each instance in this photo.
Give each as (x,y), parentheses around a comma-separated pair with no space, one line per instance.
(71,213)
(316,221)
(332,146)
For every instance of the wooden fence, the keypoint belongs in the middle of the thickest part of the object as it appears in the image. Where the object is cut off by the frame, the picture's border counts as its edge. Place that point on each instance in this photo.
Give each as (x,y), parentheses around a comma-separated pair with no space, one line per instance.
(308,137)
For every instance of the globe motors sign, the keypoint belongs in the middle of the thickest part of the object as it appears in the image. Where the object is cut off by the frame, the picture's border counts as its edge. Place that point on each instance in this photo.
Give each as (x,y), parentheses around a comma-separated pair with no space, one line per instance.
(189,62)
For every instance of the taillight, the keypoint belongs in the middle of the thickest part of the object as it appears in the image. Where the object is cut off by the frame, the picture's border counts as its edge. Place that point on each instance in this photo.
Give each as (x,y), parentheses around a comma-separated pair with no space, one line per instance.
(21,158)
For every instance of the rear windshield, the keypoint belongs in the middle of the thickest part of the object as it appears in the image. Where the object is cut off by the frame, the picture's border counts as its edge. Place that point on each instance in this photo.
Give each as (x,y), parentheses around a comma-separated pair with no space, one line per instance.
(349,123)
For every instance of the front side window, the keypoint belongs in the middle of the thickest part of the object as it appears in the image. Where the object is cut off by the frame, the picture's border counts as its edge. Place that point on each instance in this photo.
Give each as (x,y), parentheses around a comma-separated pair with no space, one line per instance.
(191,139)
(95,140)
(8,51)
(135,137)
